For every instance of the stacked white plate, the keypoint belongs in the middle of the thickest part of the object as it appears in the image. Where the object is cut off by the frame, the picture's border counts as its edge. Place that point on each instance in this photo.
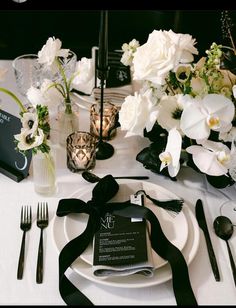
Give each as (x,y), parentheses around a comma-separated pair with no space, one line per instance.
(182,230)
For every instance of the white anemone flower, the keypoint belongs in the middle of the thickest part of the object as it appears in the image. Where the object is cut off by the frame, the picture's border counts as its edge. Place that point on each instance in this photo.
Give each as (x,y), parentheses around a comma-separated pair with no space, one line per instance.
(212,158)
(138,112)
(30,122)
(51,50)
(170,157)
(28,140)
(213,112)
(170,109)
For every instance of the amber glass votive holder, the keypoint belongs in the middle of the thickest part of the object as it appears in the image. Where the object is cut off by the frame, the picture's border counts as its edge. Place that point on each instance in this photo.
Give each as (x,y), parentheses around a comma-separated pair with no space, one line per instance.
(81,151)
(109,118)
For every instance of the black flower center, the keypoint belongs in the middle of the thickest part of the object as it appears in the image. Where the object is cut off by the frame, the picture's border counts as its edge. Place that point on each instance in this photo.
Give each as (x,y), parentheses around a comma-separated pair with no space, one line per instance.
(177,113)
(29,139)
(182,76)
(30,123)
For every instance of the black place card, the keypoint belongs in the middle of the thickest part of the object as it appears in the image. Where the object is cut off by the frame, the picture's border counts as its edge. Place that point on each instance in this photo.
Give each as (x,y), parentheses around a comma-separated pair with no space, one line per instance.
(120,241)
(13,164)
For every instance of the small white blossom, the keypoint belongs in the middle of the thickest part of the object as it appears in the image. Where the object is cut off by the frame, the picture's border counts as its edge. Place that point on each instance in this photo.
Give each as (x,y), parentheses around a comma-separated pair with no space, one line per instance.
(128,52)
(50,51)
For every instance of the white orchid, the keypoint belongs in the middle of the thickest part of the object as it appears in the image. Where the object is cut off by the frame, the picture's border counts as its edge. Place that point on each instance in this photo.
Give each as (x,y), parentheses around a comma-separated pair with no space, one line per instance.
(212,158)
(170,157)
(213,112)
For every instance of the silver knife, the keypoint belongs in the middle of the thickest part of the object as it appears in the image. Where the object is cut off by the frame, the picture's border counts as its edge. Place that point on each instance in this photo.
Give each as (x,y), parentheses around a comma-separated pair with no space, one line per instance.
(201,219)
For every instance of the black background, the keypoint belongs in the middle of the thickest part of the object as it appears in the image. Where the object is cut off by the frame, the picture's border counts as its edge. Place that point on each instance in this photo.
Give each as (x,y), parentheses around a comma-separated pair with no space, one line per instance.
(25,27)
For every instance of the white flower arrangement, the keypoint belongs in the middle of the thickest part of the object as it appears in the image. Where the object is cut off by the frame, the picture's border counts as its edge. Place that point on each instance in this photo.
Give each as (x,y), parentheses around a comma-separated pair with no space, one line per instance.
(35,125)
(55,61)
(183,107)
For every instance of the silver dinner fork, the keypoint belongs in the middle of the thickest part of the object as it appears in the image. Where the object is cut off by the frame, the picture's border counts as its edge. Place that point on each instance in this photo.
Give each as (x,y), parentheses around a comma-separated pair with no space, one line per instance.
(42,222)
(25,225)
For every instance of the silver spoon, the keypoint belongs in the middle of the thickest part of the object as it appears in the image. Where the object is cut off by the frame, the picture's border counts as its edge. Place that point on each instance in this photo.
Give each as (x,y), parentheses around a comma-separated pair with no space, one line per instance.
(224,229)
(93,178)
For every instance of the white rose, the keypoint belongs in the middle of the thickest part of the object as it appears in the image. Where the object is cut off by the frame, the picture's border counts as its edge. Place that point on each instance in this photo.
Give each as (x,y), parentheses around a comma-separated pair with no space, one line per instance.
(136,113)
(162,52)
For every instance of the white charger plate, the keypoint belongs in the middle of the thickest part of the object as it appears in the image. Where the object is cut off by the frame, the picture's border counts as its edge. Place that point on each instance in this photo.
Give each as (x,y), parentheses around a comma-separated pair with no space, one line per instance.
(161,275)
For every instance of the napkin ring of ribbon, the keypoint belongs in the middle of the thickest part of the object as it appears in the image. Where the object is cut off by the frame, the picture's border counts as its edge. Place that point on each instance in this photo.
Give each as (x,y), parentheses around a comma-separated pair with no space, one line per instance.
(96,208)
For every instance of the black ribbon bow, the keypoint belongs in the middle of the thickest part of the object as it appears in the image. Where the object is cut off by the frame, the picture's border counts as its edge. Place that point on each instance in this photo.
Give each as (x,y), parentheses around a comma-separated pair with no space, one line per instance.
(96,208)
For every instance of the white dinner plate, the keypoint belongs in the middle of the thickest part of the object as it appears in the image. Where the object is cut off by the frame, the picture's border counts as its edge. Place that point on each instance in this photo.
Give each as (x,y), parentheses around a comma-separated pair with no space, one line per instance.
(161,275)
(175,228)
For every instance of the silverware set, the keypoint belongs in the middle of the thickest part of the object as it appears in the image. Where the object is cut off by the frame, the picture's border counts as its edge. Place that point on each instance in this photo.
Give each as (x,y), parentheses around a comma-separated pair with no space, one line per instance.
(223,228)
(25,225)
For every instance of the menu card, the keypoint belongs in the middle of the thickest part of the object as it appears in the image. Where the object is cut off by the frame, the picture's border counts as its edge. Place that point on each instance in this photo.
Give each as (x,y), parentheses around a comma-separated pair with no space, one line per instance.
(120,241)
(122,246)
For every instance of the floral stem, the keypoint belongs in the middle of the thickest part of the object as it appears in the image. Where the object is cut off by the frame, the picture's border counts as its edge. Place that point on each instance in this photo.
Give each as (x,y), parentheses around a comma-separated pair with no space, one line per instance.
(22,108)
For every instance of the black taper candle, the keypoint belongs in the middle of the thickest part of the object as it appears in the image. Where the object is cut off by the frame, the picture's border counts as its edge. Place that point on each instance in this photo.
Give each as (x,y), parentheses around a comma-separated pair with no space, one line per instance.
(104,150)
(102,68)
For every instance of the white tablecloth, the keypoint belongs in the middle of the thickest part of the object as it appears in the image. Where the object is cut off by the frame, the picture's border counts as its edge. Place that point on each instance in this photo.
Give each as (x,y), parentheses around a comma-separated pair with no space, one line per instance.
(190,186)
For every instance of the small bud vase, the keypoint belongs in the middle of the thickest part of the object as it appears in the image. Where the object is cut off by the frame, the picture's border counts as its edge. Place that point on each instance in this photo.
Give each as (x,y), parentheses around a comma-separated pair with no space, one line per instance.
(44,173)
(68,120)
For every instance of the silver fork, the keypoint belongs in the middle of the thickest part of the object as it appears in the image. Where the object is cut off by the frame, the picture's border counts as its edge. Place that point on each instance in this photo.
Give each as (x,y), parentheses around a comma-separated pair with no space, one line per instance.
(25,225)
(42,222)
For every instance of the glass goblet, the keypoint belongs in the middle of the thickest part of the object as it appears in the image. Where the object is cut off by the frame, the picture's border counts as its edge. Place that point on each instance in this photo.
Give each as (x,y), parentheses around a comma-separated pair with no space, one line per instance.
(28,72)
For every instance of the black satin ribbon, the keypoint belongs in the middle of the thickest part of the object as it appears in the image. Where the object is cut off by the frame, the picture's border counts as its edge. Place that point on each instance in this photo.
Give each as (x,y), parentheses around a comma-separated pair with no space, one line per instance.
(96,208)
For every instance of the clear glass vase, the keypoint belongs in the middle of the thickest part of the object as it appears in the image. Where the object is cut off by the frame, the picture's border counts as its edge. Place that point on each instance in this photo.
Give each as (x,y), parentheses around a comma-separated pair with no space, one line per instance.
(44,173)
(68,120)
